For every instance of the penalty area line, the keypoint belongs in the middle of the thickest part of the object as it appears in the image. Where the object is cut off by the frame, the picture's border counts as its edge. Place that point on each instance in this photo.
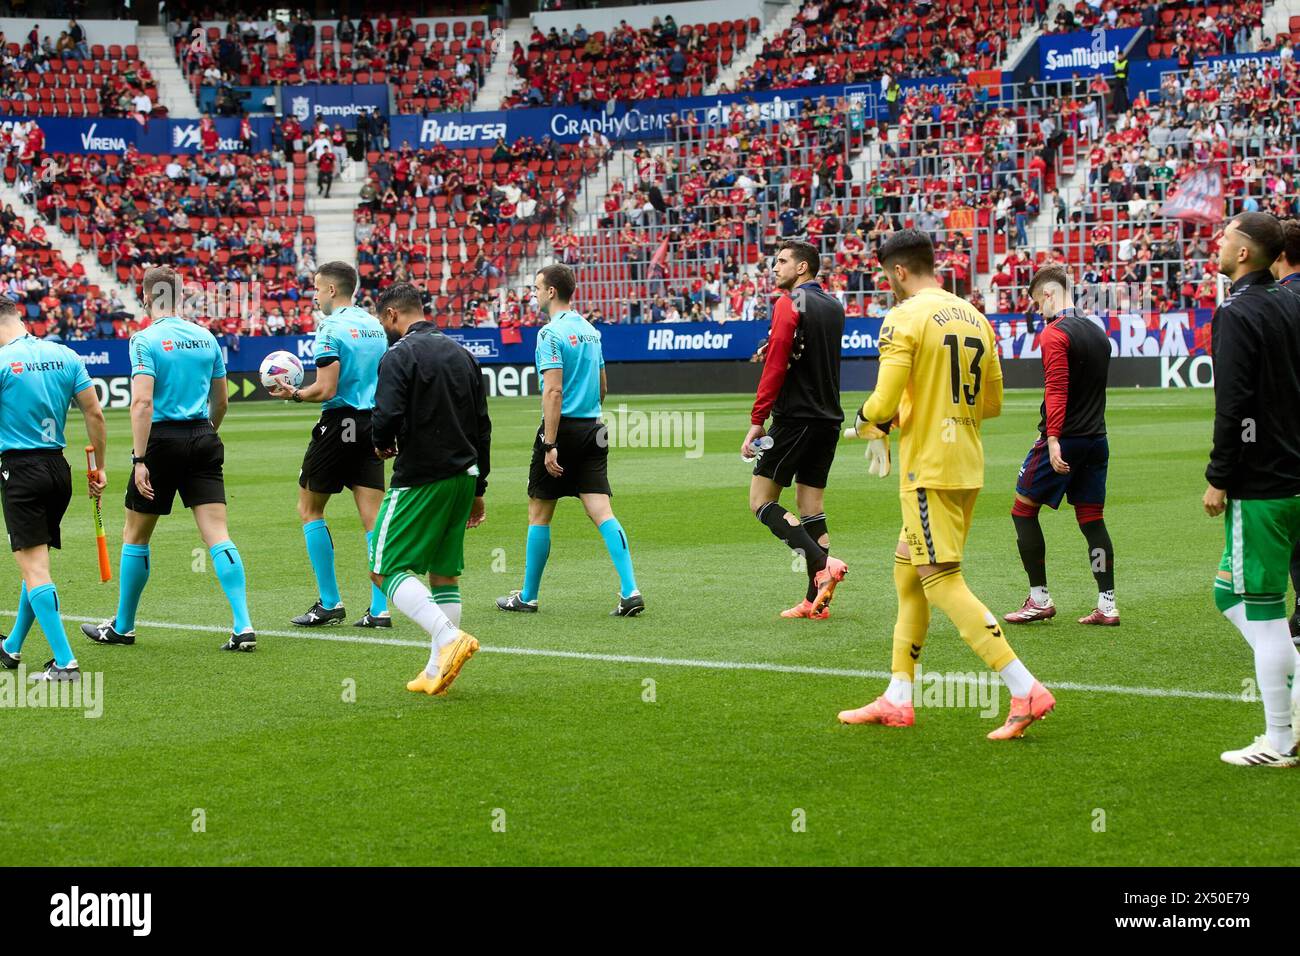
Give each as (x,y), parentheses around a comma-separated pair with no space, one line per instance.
(700,664)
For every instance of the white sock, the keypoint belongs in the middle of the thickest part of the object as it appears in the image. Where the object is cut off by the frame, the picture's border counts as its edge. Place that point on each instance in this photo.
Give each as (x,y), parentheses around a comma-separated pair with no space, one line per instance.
(452,611)
(1017,678)
(1274,670)
(412,599)
(1106,603)
(1040,596)
(1237,615)
(899,691)
(1295,685)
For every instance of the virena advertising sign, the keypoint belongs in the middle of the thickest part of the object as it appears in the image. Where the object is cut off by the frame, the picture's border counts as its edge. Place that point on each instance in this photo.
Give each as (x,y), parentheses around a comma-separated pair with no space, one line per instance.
(1063,55)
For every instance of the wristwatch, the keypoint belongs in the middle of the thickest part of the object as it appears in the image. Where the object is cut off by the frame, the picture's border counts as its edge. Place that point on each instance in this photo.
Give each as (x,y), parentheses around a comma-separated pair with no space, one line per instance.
(136,459)
(547,445)
(297,395)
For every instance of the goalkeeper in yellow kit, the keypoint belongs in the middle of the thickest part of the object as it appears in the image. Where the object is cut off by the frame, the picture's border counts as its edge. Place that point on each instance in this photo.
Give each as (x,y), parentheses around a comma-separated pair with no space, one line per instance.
(940,377)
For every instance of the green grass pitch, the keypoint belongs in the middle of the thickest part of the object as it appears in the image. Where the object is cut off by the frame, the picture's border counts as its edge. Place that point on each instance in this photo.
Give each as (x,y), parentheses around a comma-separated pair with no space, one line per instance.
(555,758)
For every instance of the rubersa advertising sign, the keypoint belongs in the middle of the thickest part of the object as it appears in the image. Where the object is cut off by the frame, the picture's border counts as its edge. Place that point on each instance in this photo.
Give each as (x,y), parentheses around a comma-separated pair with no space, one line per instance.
(639,121)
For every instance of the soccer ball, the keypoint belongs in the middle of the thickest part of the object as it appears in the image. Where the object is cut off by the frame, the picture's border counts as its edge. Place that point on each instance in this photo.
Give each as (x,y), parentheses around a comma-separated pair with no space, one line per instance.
(284,365)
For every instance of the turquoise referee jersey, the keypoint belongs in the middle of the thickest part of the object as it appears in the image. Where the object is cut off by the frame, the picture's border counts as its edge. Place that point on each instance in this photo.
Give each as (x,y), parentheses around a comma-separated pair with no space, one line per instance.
(354,338)
(38,379)
(571,343)
(183,359)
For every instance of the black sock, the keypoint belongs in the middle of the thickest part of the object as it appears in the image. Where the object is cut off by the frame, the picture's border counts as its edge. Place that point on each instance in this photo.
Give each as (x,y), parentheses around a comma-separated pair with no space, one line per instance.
(1295,575)
(1033,549)
(1101,555)
(794,535)
(815,525)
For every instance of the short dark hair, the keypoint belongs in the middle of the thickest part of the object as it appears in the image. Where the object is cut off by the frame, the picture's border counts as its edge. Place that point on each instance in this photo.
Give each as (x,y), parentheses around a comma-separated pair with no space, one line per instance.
(804,252)
(162,282)
(402,297)
(1264,233)
(560,278)
(1291,240)
(1053,273)
(9,308)
(341,274)
(912,248)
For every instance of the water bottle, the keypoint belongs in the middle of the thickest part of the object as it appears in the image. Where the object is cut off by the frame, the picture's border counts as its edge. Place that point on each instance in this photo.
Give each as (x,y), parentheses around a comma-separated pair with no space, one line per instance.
(759,445)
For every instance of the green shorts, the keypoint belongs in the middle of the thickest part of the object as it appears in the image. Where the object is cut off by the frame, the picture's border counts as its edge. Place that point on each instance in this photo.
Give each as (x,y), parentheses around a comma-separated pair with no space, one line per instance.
(422,529)
(1260,535)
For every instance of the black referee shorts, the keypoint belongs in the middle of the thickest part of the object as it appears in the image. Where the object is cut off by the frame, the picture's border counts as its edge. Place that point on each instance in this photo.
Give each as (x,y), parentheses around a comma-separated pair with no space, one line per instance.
(182,456)
(36,487)
(801,451)
(583,448)
(341,454)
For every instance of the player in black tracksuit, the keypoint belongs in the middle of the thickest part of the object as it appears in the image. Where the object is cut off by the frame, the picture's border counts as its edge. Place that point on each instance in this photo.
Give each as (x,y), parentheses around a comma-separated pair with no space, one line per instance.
(800,389)
(1287,271)
(1254,471)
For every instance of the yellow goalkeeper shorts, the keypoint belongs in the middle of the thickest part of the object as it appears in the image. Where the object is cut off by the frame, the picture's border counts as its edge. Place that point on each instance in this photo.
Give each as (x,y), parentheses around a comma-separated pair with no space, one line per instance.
(935,523)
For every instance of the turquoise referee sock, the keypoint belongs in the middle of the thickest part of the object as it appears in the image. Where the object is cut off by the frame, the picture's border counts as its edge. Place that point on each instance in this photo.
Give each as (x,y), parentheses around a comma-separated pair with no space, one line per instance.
(378,601)
(230,572)
(13,644)
(320,549)
(620,554)
(536,551)
(45,605)
(133,575)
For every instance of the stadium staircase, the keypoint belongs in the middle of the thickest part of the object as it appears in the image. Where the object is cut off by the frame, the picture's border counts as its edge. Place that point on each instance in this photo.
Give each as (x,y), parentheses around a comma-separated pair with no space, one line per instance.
(67,246)
(173,91)
(778,15)
(335,222)
(500,81)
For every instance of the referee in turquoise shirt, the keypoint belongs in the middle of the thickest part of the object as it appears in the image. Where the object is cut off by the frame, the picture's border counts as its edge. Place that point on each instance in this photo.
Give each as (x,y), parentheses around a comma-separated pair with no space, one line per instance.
(571,451)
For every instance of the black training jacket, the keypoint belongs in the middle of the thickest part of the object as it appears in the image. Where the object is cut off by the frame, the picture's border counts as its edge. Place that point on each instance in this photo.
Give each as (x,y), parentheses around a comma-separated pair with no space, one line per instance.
(431,404)
(1256,344)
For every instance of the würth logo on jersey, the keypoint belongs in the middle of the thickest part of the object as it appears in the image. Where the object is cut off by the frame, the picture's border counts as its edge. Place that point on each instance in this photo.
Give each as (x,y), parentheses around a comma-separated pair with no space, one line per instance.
(16,368)
(356,333)
(573,340)
(167,345)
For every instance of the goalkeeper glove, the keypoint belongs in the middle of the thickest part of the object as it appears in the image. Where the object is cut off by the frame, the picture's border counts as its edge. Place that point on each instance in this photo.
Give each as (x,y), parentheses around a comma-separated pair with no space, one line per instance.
(865,429)
(878,456)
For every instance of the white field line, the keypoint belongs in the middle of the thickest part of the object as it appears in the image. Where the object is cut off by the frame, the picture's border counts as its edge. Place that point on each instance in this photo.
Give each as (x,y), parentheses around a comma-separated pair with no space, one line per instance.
(324,635)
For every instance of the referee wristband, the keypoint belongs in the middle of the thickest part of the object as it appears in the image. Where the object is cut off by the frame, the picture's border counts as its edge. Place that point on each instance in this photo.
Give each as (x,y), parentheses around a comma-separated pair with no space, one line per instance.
(137,459)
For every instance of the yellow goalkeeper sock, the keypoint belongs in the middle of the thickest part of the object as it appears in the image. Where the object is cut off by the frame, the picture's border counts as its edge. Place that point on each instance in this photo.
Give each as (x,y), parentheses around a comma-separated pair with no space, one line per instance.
(947,591)
(913,619)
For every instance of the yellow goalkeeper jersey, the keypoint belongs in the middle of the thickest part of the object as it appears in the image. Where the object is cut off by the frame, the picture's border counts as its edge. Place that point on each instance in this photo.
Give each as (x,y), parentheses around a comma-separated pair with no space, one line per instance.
(939,370)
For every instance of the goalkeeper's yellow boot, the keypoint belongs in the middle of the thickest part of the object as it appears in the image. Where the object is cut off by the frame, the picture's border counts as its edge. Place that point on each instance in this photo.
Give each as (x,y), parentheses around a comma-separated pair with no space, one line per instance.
(451,659)
(1024,711)
(881,711)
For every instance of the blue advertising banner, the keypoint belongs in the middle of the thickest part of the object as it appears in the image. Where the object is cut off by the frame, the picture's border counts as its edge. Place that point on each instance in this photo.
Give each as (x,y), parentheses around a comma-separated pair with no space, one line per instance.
(63,135)
(334,103)
(1168,334)
(633,122)
(1063,55)
(1145,75)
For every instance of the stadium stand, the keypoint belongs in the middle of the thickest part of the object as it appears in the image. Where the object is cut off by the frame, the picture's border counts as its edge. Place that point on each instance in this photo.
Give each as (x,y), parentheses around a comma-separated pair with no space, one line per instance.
(844,41)
(432,67)
(39,77)
(54,293)
(462,221)
(661,60)
(220,218)
(1244,125)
